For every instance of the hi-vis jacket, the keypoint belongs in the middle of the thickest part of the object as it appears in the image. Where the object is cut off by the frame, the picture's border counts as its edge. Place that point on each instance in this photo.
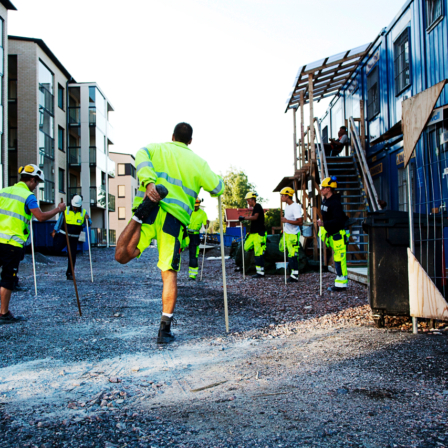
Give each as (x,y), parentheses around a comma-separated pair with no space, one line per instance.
(181,171)
(14,221)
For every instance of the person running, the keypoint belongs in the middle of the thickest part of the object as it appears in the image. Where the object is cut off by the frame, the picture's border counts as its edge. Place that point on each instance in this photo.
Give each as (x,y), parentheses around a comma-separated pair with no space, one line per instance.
(174,166)
(75,217)
(198,219)
(292,221)
(256,239)
(333,228)
(17,206)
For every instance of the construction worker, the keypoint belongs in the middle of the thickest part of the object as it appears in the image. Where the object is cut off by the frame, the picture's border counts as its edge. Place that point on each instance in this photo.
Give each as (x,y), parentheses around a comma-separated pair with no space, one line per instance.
(17,206)
(174,166)
(75,217)
(256,239)
(198,219)
(333,231)
(292,221)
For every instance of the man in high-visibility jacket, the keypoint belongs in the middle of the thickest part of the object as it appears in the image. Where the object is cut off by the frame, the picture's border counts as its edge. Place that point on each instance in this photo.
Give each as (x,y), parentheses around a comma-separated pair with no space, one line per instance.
(256,239)
(174,166)
(198,219)
(333,230)
(292,221)
(75,217)
(17,206)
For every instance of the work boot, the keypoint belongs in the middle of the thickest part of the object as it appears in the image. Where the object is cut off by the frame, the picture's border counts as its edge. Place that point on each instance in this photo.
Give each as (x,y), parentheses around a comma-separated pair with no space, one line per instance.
(19,288)
(70,277)
(257,276)
(192,279)
(8,318)
(238,269)
(336,289)
(292,280)
(165,336)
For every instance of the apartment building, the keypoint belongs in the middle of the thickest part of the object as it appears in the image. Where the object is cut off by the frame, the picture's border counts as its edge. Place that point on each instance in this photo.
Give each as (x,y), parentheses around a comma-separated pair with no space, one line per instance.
(5,6)
(124,186)
(62,126)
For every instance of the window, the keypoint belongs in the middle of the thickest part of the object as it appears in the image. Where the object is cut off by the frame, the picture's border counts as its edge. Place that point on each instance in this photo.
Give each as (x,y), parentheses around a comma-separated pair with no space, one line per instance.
(401,62)
(61,138)
(121,212)
(325,134)
(61,97)
(373,94)
(434,11)
(121,191)
(121,169)
(61,180)
(403,188)
(127,169)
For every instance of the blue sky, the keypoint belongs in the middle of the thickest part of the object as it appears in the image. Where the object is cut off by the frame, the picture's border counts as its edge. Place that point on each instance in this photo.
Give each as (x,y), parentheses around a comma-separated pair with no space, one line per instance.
(224,66)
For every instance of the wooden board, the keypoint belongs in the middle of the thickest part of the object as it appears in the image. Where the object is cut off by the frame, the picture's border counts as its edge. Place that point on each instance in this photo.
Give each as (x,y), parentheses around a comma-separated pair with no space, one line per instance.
(425,299)
(416,112)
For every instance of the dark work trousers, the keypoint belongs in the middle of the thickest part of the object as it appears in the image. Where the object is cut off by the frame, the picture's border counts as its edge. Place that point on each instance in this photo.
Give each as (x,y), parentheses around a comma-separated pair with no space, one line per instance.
(193,249)
(60,242)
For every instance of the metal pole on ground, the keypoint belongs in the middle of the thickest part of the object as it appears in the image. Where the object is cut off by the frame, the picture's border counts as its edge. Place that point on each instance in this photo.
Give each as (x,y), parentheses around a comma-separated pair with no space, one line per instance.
(90,253)
(32,254)
(223,259)
(69,252)
(284,246)
(203,253)
(320,264)
(242,250)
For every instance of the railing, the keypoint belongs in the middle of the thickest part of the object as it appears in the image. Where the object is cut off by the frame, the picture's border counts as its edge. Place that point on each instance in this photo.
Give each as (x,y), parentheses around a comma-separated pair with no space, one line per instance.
(74,155)
(12,90)
(111,202)
(92,155)
(368,181)
(74,116)
(112,237)
(46,99)
(46,194)
(46,145)
(12,139)
(321,152)
(92,116)
(71,191)
(98,197)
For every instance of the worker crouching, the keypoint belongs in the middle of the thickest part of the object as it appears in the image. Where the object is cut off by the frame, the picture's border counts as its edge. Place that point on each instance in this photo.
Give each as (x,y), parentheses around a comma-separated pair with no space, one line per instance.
(198,219)
(333,231)
(292,220)
(75,218)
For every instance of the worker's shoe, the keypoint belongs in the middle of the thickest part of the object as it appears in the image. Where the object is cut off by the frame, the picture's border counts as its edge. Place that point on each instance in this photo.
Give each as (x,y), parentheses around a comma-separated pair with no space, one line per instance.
(70,277)
(336,289)
(144,209)
(9,318)
(238,269)
(165,336)
(292,280)
(193,279)
(19,288)
(257,276)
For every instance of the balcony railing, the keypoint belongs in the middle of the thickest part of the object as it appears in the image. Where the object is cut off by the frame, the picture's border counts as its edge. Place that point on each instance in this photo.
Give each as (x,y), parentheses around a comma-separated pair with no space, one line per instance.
(46,194)
(12,139)
(92,116)
(99,236)
(71,191)
(92,155)
(12,90)
(74,114)
(98,197)
(111,202)
(74,155)
(46,145)
(46,99)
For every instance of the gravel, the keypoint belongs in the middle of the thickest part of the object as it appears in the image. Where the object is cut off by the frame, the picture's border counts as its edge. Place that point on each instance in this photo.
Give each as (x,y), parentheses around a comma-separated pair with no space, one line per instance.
(296,369)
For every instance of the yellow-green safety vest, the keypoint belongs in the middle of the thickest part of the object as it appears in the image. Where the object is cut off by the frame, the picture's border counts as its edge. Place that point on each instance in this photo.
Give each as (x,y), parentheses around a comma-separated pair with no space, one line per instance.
(74,219)
(181,171)
(14,222)
(197,219)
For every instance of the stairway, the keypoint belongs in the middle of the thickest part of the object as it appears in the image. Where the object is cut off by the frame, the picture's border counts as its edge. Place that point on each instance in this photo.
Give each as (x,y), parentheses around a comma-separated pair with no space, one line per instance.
(355,204)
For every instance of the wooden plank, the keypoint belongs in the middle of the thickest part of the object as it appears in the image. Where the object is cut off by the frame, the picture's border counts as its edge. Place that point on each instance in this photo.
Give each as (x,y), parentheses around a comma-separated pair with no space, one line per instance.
(425,299)
(416,112)
(337,62)
(312,156)
(302,126)
(295,139)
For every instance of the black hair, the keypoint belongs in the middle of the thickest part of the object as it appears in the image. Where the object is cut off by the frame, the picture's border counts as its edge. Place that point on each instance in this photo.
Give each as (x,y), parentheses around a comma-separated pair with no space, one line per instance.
(183,133)
(25,177)
(343,127)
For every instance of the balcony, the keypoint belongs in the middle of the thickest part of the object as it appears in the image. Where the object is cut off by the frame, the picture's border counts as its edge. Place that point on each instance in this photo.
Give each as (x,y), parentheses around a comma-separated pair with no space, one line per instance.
(98,197)
(12,90)
(111,202)
(74,114)
(46,99)
(71,191)
(12,139)
(46,193)
(74,156)
(92,155)
(92,116)
(46,145)
(99,236)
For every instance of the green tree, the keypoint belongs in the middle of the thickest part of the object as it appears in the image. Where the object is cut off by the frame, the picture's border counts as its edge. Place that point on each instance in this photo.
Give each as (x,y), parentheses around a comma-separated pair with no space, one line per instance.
(272,219)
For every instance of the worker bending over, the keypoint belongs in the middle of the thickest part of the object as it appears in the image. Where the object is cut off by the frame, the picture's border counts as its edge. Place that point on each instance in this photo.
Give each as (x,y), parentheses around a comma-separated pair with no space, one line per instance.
(333,230)
(17,206)
(292,221)
(198,218)
(174,166)
(75,217)
(256,239)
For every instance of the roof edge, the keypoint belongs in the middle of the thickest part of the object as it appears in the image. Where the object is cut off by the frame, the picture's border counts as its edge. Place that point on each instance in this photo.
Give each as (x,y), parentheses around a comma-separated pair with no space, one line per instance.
(8,5)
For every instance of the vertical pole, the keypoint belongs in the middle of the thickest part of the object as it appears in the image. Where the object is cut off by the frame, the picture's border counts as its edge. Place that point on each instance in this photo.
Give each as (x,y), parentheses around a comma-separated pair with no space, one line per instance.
(69,252)
(107,199)
(242,251)
(302,125)
(284,243)
(90,253)
(363,124)
(310,95)
(203,254)
(320,264)
(32,253)
(411,232)
(223,258)
(295,140)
